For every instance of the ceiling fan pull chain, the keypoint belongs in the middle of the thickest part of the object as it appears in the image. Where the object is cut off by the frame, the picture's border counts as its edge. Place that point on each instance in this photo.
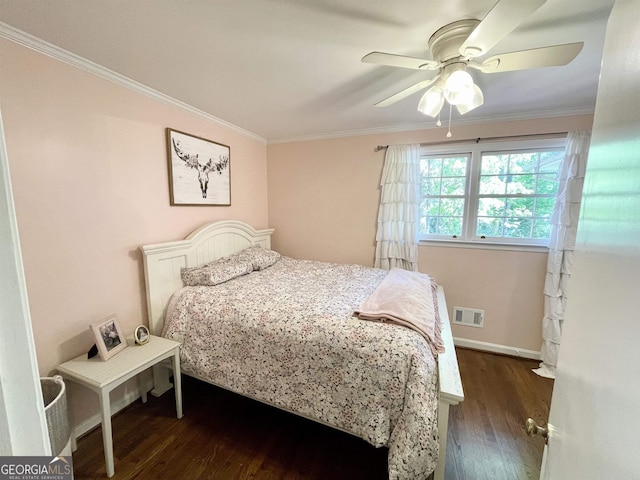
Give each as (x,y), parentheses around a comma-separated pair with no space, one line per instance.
(449,132)
(438,122)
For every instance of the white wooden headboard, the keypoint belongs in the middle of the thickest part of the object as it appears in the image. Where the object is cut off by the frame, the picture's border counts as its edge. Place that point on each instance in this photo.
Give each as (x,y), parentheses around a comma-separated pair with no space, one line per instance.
(163,261)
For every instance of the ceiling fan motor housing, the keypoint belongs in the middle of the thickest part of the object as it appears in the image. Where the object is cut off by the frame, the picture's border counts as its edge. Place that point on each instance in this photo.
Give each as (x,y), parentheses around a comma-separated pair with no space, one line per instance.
(445,43)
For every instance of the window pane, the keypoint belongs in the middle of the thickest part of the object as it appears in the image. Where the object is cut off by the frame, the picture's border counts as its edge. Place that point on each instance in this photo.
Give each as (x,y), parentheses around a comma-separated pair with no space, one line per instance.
(433,186)
(547,187)
(550,161)
(494,164)
(429,207)
(432,225)
(429,225)
(435,167)
(520,207)
(491,207)
(493,185)
(517,227)
(453,186)
(443,178)
(454,167)
(452,207)
(450,226)
(489,227)
(541,229)
(523,162)
(525,184)
(544,206)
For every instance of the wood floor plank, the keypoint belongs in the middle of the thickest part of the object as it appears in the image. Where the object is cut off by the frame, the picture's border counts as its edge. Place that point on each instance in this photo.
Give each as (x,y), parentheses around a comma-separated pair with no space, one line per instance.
(224,436)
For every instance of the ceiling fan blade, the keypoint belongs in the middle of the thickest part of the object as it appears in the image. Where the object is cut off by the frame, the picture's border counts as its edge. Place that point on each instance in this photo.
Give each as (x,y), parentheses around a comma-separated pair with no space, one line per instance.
(536,58)
(406,92)
(392,60)
(499,22)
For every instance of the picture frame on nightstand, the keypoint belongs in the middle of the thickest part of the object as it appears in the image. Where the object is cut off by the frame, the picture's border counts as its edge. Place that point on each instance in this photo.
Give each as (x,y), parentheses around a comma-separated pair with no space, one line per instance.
(141,335)
(109,337)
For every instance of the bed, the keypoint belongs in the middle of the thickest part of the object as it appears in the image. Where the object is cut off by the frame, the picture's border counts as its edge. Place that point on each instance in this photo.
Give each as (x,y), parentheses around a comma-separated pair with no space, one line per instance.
(383,417)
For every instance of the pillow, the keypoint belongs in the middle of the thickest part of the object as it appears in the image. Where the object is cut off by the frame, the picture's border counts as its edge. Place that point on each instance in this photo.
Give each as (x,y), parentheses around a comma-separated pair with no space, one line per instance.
(214,273)
(257,255)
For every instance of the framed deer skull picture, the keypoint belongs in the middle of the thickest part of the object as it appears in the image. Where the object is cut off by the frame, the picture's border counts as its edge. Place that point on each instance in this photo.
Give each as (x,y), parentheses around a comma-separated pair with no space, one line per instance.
(199,170)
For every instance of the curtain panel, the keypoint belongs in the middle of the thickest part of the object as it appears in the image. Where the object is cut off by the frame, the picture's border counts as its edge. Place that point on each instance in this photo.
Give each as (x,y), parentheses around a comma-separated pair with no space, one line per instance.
(398,214)
(564,226)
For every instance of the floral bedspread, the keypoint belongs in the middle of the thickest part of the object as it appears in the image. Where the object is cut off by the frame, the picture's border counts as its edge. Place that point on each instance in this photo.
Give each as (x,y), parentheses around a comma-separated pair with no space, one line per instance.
(287,336)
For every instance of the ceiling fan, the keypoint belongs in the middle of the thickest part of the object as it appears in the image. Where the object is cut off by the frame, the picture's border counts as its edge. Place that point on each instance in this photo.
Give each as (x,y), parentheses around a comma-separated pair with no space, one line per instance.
(454,49)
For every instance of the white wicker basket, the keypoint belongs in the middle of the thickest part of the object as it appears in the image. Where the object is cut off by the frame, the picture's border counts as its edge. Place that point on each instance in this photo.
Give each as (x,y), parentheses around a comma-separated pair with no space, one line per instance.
(54,395)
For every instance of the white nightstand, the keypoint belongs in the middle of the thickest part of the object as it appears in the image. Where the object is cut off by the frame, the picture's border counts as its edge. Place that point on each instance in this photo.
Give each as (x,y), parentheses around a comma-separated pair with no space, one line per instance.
(102,377)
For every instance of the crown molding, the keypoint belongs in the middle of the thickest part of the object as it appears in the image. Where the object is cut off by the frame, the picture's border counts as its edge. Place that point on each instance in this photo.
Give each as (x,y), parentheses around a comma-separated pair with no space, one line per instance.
(34,43)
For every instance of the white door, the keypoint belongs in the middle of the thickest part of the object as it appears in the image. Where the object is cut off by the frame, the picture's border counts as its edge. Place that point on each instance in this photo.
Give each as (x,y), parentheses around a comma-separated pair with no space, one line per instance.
(594,420)
(23,425)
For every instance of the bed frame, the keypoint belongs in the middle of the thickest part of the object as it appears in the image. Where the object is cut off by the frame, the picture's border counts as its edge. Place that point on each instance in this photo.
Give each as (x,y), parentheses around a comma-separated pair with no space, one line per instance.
(162,264)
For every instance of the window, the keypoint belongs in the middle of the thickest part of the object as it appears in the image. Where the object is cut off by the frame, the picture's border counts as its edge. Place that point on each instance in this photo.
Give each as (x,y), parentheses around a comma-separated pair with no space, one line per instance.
(499,193)
(443,188)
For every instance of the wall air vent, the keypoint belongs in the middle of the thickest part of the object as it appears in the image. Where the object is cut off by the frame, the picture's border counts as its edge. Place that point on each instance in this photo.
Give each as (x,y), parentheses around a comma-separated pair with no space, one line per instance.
(470,317)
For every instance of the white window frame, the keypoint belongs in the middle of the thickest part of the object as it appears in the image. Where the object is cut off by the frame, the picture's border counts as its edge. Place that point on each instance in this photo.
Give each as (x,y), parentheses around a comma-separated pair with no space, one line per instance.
(468,237)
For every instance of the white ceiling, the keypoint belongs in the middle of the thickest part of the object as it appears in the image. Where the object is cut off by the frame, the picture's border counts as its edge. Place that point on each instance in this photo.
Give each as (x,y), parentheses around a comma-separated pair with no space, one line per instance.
(290,69)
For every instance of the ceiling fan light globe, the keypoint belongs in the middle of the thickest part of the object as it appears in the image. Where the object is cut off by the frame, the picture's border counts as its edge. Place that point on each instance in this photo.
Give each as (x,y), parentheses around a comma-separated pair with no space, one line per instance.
(459,88)
(431,102)
(474,102)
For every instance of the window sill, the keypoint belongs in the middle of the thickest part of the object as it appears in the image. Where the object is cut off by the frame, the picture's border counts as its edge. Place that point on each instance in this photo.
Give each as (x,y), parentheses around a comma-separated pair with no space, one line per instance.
(514,247)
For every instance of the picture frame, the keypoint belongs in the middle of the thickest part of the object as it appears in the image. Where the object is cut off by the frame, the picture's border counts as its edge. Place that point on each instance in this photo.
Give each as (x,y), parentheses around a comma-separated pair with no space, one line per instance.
(109,337)
(141,335)
(199,170)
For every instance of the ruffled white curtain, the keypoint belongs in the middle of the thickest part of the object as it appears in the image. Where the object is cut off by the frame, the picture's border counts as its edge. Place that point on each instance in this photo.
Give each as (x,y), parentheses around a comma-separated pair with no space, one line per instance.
(564,221)
(397,235)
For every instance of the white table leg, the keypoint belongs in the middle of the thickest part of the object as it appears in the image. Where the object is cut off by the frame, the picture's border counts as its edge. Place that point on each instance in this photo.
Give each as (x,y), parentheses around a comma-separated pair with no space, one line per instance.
(141,386)
(161,383)
(177,381)
(105,411)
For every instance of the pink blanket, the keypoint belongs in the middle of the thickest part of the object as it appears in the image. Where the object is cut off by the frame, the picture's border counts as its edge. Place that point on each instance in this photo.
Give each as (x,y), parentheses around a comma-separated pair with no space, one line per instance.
(409,299)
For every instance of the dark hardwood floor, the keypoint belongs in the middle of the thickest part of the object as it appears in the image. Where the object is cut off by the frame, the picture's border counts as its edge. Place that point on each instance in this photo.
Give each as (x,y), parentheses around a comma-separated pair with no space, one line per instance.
(225,436)
(487,438)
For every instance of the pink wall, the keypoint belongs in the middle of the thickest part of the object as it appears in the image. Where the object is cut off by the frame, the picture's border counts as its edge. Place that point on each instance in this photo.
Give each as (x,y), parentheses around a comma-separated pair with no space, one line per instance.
(89,171)
(323,203)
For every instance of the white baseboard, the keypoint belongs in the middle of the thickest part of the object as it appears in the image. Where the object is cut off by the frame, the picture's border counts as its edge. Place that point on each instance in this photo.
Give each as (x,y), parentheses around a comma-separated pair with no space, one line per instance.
(495,348)
(95,420)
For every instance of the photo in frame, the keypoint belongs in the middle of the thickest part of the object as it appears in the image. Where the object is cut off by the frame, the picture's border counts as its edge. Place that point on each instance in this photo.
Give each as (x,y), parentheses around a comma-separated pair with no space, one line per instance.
(199,170)
(141,335)
(109,338)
